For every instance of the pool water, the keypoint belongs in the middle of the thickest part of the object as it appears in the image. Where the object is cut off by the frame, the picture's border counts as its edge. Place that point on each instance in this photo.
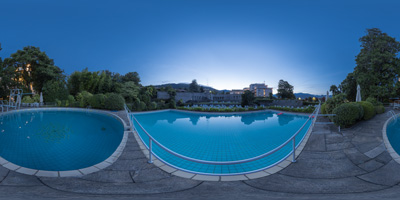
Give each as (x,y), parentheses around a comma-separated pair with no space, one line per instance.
(214,137)
(58,140)
(393,134)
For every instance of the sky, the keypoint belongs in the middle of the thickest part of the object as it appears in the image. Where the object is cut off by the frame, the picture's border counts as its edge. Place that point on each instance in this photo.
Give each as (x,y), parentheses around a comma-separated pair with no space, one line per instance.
(223,44)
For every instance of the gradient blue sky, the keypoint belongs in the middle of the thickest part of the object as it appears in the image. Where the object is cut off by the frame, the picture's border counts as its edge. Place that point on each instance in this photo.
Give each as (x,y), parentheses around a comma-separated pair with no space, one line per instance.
(225,44)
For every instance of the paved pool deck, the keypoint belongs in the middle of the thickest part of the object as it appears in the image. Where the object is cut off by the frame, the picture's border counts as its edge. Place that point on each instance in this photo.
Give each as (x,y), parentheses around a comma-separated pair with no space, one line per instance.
(353,164)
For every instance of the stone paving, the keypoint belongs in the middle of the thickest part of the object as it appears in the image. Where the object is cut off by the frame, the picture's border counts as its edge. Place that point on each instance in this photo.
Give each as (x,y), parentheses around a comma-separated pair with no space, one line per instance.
(353,164)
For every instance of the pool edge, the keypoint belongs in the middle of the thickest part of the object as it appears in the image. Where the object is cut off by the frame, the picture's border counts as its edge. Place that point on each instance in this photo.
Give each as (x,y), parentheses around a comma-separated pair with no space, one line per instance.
(389,148)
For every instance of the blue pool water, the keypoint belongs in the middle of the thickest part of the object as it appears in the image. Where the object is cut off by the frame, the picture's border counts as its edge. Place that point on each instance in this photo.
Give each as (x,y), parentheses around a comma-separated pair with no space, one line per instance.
(393,134)
(221,138)
(58,140)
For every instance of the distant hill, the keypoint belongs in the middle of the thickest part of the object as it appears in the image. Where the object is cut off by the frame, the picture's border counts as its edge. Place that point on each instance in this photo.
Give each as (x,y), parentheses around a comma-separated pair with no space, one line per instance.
(182,86)
(306,95)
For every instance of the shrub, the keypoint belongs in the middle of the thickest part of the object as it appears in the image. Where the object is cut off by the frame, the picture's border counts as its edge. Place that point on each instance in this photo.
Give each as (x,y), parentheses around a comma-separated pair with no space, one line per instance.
(347,114)
(83,98)
(374,101)
(369,109)
(172,104)
(97,101)
(153,106)
(323,106)
(379,109)
(334,102)
(114,102)
(27,99)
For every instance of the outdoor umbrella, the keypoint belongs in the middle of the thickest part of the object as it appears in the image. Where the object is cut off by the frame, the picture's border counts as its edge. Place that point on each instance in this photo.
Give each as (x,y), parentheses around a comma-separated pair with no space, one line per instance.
(358,97)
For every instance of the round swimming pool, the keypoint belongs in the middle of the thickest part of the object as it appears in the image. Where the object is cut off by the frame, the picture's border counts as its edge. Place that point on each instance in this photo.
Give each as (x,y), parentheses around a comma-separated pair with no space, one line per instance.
(221,137)
(58,140)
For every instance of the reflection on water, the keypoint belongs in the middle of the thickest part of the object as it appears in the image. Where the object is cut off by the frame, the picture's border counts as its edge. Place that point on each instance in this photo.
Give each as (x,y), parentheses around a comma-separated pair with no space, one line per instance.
(194,118)
(285,119)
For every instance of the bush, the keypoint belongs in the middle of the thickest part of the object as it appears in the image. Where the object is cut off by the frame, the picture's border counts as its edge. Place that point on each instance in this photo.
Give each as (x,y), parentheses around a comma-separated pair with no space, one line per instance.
(347,114)
(374,101)
(369,109)
(379,109)
(323,106)
(114,102)
(97,101)
(153,106)
(334,102)
(27,99)
(83,98)
(172,104)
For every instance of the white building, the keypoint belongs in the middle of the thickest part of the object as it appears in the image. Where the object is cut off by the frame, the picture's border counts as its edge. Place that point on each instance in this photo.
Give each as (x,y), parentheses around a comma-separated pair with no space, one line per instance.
(260,89)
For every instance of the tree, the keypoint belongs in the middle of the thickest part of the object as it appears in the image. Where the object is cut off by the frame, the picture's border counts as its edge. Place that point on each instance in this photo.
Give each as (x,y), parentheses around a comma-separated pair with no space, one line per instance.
(334,89)
(194,87)
(285,90)
(247,98)
(54,90)
(349,87)
(34,67)
(131,76)
(378,64)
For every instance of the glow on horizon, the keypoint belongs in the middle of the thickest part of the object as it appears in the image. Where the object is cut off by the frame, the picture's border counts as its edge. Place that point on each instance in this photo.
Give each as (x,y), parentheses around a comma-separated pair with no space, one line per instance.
(230,64)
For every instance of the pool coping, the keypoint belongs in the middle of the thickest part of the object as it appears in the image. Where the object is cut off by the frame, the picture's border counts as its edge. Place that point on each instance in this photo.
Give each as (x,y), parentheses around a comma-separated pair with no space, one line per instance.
(266,171)
(391,151)
(70,173)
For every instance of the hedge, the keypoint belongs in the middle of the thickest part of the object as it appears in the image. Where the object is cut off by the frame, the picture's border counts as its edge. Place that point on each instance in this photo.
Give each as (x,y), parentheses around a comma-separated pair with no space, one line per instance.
(114,102)
(369,109)
(347,114)
(97,101)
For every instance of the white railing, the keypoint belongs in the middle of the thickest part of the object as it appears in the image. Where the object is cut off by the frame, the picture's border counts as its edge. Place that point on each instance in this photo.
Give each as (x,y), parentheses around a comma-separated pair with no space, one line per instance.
(292,139)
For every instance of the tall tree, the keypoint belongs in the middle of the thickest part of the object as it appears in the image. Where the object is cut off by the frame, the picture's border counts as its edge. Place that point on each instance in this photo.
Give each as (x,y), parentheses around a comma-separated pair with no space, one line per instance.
(285,90)
(334,89)
(194,87)
(378,64)
(131,76)
(34,67)
(349,87)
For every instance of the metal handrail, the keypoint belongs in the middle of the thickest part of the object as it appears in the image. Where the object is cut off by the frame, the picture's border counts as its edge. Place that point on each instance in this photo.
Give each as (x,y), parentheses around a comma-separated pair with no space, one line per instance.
(292,138)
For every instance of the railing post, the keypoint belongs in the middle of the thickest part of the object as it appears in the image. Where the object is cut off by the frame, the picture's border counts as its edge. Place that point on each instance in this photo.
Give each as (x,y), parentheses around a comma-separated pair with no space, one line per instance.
(294,150)
(150,151)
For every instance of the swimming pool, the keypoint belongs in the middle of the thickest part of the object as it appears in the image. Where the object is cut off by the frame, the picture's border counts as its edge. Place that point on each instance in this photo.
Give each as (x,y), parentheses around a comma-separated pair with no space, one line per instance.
(220,137)
(58,139)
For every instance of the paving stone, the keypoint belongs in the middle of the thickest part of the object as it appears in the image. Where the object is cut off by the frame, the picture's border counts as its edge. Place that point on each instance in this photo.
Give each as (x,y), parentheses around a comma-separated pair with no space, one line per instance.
(376,151)
(322,165)
(131,155)
(282,183)
(18,179)
(109,176)
(384,157)
(77,185)
(147,175)
(316,142)
(371,165)
(387,175)
(338,146)
(334,138)
(356,156)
